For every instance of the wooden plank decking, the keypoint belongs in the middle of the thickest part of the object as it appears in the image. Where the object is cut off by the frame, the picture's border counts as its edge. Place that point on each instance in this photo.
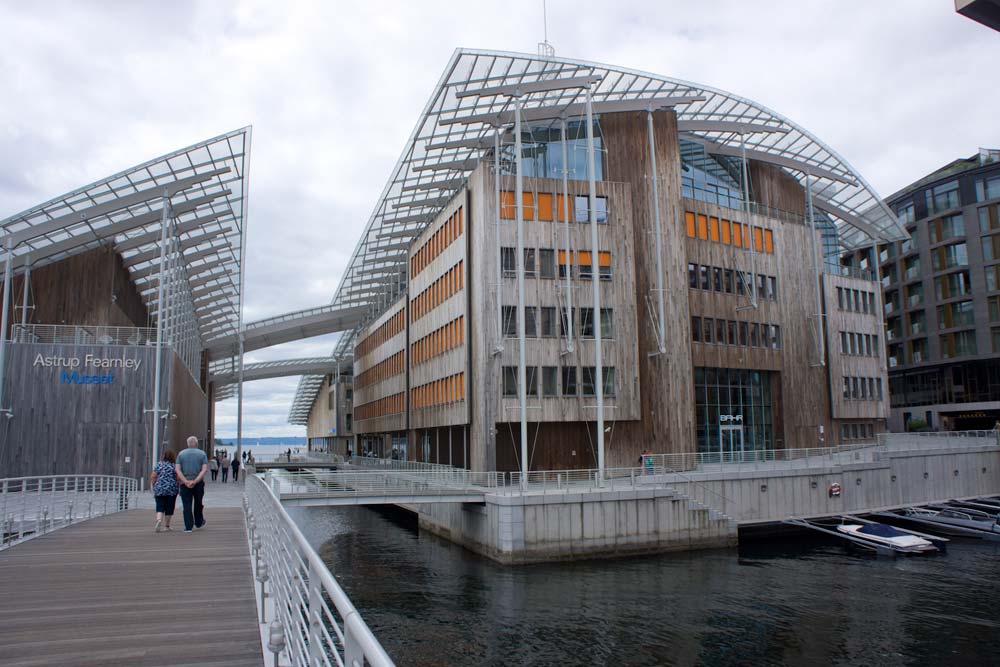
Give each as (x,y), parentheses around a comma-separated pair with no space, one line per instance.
(111,592)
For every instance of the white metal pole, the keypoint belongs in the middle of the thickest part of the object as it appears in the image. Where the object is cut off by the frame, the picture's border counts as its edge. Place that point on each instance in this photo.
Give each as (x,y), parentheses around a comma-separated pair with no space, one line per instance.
(24,301)
(746,212)
(661,329)
(499,290)
(595,277)
(522,374)
(158,373)
(239,402)
(7,275)
(569,261)
(817,269)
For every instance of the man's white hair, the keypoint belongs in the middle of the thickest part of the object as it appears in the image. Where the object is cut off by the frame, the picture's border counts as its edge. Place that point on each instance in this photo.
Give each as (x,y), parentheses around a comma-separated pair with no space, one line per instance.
(192,441)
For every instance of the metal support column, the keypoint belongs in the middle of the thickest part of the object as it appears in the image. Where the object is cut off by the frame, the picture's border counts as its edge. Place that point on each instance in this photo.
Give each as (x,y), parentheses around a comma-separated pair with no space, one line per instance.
(746,215)
(595,270)
(499,292)
(817,270)
(522,375)
(158,373)
(239,400)
(7,276)
(24,300)
(662,328)
(568,316)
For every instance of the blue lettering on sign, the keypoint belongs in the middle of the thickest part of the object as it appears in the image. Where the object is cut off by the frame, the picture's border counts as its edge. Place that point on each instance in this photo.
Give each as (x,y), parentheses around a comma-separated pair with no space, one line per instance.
(77,378)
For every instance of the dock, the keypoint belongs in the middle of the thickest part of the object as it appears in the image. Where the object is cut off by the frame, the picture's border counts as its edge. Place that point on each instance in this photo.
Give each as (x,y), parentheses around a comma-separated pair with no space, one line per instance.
(111,592)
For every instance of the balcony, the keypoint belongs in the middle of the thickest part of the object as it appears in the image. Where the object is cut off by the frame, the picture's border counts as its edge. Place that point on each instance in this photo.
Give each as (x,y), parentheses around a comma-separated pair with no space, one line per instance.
(69,334)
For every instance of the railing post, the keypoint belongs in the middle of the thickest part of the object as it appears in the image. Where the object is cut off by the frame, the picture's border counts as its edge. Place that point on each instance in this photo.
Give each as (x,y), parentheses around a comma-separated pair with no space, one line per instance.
(353,653)
(315,616)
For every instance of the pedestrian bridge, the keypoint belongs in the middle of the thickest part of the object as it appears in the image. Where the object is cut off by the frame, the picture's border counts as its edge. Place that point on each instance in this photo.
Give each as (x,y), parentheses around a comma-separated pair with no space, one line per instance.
(325,487)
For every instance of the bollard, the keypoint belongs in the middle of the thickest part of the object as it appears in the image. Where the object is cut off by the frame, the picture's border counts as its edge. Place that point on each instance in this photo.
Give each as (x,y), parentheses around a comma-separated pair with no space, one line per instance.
(262,577)
(275,639)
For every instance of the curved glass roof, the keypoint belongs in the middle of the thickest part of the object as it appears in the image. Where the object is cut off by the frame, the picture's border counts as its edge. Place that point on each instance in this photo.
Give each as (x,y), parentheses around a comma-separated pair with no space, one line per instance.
(471,100)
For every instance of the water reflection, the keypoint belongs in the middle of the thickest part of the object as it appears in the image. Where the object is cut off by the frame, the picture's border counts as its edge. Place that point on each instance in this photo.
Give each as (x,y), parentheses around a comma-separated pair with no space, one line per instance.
(433,603)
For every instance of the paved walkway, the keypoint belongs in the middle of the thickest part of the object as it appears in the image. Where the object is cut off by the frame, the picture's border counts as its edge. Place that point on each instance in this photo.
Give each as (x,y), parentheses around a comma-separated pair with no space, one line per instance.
(111,592)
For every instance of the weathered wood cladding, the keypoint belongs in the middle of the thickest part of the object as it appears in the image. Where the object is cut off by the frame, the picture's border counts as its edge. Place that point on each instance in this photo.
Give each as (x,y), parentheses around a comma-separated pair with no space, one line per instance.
(188,406)
(390,387)
(91,288)
(450,364)
(771,186)
(64,428)
(847,365)
(666,418)
(328,414)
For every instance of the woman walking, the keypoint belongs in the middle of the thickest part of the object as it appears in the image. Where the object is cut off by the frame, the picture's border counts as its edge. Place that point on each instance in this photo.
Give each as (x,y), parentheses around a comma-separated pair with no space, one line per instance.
(224,467)
(213,465)
(163,481)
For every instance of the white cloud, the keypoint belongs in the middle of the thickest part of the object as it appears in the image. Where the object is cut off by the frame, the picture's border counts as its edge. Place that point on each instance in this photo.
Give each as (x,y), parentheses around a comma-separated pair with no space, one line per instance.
(334,89)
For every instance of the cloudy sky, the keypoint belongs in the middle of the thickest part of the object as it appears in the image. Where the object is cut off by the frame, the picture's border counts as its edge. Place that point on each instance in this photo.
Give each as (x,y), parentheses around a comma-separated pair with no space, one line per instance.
(333,90)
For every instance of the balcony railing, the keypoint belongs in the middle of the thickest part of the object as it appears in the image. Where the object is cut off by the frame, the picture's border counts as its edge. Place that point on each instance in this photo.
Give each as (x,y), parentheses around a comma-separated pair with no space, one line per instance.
(848,271)
(66,334)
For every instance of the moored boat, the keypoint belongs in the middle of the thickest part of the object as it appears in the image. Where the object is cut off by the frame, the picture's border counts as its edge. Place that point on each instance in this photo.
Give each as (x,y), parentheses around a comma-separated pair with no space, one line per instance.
(883,534)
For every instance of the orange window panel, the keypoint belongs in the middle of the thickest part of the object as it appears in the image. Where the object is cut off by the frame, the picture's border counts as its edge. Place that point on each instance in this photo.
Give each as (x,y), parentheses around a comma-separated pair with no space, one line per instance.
(689,223)
(726,231)
(768,241)
(528,199)
(737,234)
(545,206)
(702,226)
(713,229)
(560,204)
(507,206)
(460,221)
(604,258)
(758,239)
(584,258)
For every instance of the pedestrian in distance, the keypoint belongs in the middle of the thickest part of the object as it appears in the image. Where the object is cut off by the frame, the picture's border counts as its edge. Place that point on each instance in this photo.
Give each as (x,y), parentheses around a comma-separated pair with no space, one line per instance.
(213,465)
(236,468)
(191,468)
(224,467)
(163,481)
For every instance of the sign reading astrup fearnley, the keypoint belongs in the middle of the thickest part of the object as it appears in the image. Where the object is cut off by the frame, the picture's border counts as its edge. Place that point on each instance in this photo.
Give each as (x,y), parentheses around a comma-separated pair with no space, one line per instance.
(88,369)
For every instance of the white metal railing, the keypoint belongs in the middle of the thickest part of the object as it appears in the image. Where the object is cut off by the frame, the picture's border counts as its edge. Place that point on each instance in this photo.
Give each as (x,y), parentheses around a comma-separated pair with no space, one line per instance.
(376,463)
(383,483)
(312,620)
(763,459)
(71,334)
(938,439)
(31,506)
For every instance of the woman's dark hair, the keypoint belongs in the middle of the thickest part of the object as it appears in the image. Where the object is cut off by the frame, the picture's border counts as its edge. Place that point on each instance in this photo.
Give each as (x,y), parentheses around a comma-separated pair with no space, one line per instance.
(169,456)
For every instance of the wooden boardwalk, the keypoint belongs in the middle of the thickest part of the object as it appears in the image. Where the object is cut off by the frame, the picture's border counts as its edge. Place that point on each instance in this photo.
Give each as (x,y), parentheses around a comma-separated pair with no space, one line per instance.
(111,592)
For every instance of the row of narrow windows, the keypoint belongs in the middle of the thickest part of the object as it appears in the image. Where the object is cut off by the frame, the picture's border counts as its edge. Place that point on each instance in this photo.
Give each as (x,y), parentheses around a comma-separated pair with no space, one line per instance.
(856,301)
(730,332)
(546,263)
(541,321)
(858,431)
(435,245)
(386,330)
(446,390)
(438,292)
(727,232)
(389,405)
(438,341)
(859,344)
(552,208)
(558,381)
(381,371)
(862,388)
(731,281)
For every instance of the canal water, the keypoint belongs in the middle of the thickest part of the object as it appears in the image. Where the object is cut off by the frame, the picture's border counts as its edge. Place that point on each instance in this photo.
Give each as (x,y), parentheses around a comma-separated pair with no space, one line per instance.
(432,603)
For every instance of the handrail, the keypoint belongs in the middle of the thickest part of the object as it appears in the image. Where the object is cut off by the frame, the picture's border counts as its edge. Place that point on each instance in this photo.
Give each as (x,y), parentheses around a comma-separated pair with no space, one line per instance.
(300,585)
(31,506)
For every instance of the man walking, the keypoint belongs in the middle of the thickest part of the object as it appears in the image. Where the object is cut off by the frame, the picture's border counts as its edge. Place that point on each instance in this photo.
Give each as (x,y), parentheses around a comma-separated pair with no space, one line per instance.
(191,466)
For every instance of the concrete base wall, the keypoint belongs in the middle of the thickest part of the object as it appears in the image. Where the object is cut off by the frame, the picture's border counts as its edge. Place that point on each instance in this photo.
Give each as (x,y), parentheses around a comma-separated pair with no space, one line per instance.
(897,479)
(514,529)
(601,524)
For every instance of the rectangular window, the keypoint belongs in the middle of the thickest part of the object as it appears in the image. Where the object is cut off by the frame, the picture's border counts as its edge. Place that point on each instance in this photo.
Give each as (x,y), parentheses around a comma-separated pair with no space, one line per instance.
(569,381)
(585,266)
(607,323)
(510,321)
(692,275)
(609,381)
(754,335)
(776,340)
(566,316)
(510,380)
(713,229)
(855,390)
(727,281)
(689,223)
(744,334)
(545,202)
(720,332)
(530,322)
(549,381)
(707,330)
(942,197)
(702,226)
(548,321)
(716,279)
(705,277)
(772,288)
(546,263)
(769,241)
(582,206)
(847,388)
(696,329)
(587,381)
(727,232)
(587,322)
(731,337)
(529,262)
(988,187)
(604,264)
(844,349)
(532,385)
(508,261)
